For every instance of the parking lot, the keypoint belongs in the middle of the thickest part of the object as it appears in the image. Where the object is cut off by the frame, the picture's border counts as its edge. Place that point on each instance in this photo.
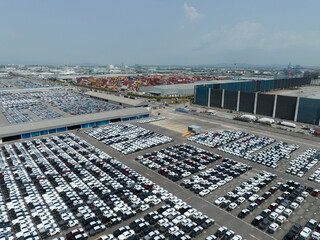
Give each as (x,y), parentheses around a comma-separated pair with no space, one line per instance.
(20,107)
(74,103)
(80,171)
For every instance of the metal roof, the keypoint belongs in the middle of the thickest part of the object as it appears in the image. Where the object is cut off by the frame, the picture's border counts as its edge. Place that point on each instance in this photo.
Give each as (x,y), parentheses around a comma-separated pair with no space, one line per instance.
(18,129)
(122,100)
(191,85)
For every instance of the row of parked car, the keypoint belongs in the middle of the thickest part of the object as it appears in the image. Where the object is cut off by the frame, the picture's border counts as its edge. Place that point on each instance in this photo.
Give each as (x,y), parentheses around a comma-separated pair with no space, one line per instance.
(186,168)
(315,176)
(151,120)
(215,139)
(44,112)
(225,234)
(14,104)
(52,184)
(74,103)
(169,155)
(4,83)
(194,160)
(17,100)
(310,229)
(271,156)
(247,145)
(305,161)
(248,190)
(215,177)
(16,115)
(127,138)
(26,83)
(175,220)
(283,207)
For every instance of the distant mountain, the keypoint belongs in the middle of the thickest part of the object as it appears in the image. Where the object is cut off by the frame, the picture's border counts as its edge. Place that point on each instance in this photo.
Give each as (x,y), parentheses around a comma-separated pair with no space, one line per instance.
(88,64)
(246,65)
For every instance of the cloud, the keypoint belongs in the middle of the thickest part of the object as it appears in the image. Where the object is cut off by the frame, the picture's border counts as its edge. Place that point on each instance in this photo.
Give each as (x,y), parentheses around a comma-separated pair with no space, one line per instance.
(252,35)
(192,13)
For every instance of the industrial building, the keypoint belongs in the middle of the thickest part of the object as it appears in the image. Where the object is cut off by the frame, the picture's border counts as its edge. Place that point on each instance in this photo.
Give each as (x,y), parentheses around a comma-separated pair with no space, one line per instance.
(178,90)
(117,100)
(247,97)
(33,129)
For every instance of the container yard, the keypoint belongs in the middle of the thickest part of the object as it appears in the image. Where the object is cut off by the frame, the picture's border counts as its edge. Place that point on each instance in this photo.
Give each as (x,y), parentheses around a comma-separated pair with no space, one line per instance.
(135,82)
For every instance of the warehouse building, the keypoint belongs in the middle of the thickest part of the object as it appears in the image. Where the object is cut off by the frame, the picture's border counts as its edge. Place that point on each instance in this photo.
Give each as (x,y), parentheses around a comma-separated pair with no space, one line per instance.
(117,100)
(33,129)
(247,97)
(177,90)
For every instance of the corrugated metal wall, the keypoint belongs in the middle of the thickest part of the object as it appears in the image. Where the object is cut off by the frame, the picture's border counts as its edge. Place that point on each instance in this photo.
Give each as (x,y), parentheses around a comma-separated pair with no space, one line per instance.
(265,104)
(202,96)
(215,98)
(230,99)
(246,102)
(309,111)
(286,107)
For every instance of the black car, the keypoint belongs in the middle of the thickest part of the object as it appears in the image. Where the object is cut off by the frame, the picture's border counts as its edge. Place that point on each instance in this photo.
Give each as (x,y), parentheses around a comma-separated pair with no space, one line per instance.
(225,203)
(265,213)
(221,231)
(286,203)
(196,231)
(252,206)
(264,224)
(289,236)
(243,213)
(311,224)
(207,223)
(257,220)
(296,228)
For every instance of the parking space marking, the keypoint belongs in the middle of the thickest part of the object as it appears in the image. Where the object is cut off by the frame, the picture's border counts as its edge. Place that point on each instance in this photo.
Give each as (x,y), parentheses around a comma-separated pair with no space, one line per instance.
(253,236)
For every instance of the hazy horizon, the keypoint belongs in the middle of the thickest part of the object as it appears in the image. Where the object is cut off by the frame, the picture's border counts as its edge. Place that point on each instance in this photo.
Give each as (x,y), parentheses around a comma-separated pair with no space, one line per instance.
(181,33)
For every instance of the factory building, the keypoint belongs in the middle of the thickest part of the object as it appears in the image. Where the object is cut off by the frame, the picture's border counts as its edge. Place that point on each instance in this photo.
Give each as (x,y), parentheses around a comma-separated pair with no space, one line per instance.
(246,96)
(117,100)
(177,90)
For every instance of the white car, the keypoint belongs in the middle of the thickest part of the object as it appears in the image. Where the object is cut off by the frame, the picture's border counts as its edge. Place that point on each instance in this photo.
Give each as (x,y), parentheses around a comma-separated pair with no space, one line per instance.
(204,192)
(236,237)
(213,187)
(232,206)
(281,219)
(304,194)
(107,237)
(315,235)
(305,232)
(178,219)
(126,235)
(294,206)
(190,212)
(240,200)
(219,201)
(220,183)
(255,189)
(253,197)
(287,212)
(273,227)
(273,216)
(280,209)
(299,199)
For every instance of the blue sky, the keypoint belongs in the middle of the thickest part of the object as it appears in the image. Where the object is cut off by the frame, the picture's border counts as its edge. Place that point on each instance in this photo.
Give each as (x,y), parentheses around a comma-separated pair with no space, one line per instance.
(161,32)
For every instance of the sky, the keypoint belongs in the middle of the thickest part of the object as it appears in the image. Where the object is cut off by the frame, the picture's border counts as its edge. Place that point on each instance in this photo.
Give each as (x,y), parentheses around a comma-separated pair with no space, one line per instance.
(160,32)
